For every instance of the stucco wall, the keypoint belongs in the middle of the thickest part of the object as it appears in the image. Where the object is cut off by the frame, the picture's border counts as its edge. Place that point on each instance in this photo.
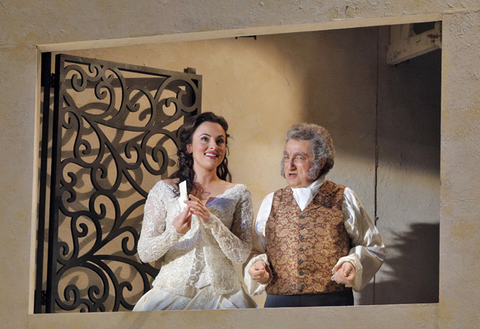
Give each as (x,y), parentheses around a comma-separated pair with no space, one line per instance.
(408,189)
(25,25)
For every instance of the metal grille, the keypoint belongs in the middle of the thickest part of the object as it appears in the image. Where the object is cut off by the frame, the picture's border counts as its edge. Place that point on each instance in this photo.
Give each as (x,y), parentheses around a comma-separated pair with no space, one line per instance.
(114,135)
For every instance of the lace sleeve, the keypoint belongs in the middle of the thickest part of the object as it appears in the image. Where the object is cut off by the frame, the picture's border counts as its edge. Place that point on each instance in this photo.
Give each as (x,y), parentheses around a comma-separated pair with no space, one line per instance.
(156,237)
(237,243)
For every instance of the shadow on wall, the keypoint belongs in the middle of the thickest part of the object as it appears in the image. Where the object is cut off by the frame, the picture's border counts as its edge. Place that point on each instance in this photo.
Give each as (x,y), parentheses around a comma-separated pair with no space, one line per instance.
(411,271)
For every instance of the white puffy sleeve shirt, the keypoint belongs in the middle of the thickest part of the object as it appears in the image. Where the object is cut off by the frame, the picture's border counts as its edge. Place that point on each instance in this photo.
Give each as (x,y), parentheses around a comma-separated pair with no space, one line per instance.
(367,253)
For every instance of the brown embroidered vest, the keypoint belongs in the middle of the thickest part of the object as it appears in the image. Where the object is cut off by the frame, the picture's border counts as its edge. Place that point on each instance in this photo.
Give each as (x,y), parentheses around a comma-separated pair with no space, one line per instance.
(304,246)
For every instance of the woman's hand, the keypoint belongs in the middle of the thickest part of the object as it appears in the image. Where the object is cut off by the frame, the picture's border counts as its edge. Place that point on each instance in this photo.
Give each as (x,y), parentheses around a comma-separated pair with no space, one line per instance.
(259,272)
(183,221)
(198,208)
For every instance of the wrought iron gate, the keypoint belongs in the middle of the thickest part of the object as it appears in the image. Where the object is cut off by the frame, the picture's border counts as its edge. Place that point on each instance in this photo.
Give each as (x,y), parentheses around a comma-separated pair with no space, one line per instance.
(112,135)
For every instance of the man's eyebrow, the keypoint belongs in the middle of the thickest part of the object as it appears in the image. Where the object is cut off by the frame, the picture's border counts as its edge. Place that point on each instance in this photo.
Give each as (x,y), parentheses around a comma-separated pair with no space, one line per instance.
(296,153)
(300,153)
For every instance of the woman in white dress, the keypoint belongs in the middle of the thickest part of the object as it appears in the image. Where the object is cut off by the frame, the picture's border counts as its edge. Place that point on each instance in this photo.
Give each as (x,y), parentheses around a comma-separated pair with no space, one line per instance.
(199,243)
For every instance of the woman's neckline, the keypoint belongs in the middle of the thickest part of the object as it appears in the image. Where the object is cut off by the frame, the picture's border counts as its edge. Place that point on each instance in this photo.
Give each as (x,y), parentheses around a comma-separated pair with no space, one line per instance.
(211,199)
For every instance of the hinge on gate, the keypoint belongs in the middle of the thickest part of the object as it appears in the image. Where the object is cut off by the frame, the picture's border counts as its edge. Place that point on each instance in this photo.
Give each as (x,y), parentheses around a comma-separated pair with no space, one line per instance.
(44,297)
(254,37)
(190,70)
(52,80)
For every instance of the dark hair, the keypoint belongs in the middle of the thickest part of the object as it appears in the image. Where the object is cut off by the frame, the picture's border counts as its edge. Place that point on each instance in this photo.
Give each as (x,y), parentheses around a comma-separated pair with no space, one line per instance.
(185,160)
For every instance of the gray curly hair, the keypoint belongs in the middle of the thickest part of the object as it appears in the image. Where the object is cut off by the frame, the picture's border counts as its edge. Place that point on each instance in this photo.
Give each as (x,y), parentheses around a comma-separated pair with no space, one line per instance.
(322,147)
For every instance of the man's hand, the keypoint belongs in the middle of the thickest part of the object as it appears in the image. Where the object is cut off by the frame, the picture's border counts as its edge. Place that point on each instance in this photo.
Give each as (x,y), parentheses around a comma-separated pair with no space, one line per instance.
(259,272)
(345,273)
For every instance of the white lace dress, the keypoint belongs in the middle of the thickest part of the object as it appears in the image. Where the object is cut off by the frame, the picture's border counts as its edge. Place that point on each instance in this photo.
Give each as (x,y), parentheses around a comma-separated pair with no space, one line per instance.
(197,270)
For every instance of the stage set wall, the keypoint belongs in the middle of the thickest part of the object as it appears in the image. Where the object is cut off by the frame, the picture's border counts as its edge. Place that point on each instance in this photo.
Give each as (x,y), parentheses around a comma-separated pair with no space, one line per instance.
(317,62)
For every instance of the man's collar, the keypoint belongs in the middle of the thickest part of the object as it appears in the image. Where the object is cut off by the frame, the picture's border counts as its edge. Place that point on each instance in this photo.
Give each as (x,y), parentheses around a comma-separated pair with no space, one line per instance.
(315,186)
(304,195)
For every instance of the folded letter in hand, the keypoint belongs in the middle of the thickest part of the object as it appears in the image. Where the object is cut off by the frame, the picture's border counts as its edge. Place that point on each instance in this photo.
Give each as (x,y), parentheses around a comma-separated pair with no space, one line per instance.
(183,194)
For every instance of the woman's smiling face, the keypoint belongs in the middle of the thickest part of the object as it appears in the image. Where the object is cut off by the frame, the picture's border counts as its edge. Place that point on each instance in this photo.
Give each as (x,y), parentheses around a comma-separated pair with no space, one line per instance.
(208,145)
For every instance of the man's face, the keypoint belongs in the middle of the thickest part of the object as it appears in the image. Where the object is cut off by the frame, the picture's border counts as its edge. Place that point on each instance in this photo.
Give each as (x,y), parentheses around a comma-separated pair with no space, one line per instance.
(298,159)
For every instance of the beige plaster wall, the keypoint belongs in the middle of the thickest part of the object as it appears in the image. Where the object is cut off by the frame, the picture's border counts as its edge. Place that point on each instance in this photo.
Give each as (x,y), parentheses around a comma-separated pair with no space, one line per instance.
(408,185)
(24,25)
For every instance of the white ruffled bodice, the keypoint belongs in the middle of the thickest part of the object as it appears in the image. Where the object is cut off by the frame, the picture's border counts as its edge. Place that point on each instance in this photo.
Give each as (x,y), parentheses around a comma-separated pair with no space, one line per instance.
(205,253)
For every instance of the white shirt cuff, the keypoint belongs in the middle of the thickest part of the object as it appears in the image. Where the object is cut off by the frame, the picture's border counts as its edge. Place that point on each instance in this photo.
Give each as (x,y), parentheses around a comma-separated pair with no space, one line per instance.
(253,287)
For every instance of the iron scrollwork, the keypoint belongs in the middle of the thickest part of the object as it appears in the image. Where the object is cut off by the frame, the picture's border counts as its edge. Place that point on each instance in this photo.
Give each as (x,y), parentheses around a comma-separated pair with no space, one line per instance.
(115,135)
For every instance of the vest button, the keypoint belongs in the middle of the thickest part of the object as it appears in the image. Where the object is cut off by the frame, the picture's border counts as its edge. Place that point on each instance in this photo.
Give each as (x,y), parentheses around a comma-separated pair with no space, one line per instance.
(301,249)
(301,238)
(302,227)
(300,261)
(302,273)
(302,216)
(302,287)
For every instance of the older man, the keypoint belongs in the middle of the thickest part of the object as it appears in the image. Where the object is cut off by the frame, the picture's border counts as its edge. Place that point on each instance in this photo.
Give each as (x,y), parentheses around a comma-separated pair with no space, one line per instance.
(316,241)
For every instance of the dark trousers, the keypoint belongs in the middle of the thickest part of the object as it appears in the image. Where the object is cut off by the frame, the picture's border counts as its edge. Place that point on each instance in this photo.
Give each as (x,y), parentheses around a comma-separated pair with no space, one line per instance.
(342,298)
